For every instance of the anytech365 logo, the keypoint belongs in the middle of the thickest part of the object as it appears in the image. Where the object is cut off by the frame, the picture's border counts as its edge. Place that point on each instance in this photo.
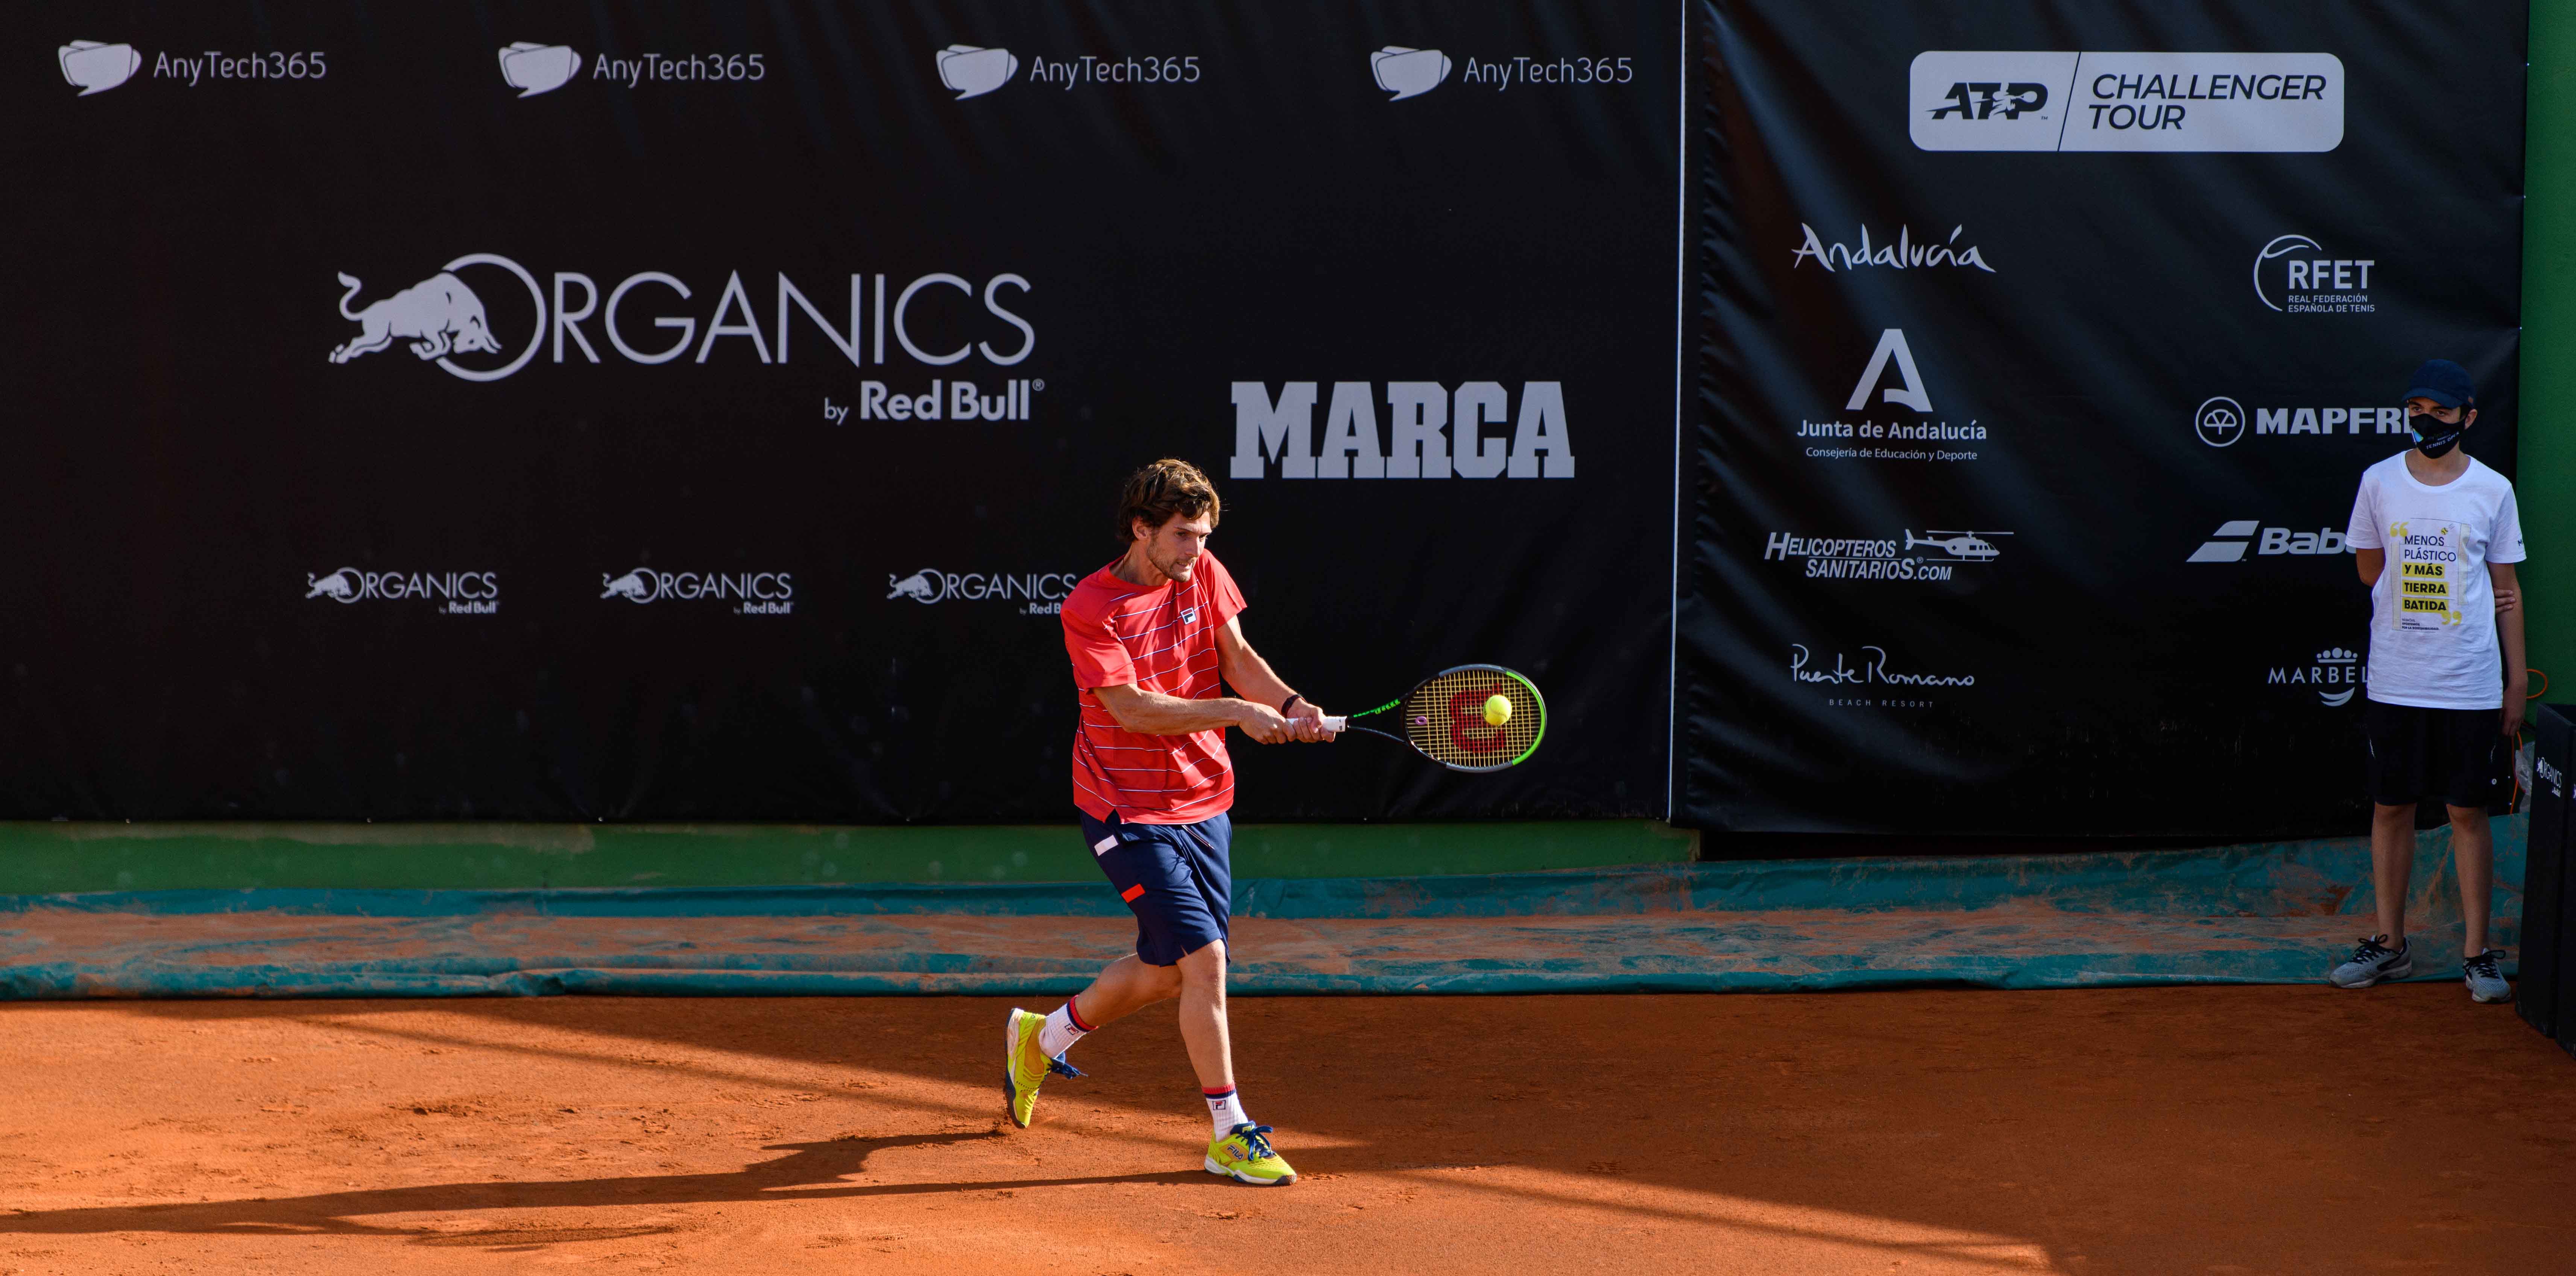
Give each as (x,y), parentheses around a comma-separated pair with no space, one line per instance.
(468,309)
(456,593)
(752,593)
(1039,593)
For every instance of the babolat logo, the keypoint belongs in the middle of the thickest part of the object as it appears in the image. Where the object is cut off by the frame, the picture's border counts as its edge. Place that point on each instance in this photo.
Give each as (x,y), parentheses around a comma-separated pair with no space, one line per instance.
(2229,543)
(2334,675)
(469,308)
(1039,593)
(1431,431)
(752,593)
(456,593)
(2220,421)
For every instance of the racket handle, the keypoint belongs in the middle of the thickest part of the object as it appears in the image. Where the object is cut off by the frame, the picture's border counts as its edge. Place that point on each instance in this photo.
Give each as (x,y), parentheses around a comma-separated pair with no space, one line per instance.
(1334,724)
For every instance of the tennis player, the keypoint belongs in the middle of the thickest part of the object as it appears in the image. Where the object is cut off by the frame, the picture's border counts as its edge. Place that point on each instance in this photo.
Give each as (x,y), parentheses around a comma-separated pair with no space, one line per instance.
(1151,636)
(2437,536)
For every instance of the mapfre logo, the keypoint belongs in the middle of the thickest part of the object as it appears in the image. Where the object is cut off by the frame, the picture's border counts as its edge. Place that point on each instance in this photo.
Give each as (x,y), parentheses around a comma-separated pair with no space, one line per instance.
(752,593)
(2220,420)
(468,320)
(1432,432)
(1038,593)
(455,593)
(2295,275)
(2334,675)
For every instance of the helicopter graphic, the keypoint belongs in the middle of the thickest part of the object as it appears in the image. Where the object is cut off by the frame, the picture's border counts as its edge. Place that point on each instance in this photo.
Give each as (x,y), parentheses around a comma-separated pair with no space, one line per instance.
(1971,546)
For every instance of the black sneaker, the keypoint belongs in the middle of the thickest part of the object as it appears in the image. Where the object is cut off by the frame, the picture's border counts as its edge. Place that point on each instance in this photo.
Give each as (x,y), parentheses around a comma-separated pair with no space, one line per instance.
(2374,962)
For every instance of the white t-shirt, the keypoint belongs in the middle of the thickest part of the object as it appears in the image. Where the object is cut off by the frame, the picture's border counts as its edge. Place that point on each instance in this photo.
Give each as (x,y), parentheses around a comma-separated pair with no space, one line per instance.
(2432,614)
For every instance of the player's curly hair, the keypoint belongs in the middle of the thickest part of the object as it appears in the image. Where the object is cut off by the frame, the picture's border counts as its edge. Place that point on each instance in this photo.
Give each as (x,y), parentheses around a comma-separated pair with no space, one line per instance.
(1160,490)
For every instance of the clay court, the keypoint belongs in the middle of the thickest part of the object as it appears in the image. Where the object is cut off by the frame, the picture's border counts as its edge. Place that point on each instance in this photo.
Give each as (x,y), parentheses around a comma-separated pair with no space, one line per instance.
(2223,1129)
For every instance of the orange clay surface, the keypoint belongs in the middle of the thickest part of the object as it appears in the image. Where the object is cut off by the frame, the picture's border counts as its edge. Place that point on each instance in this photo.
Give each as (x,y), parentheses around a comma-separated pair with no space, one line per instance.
(2227,1129)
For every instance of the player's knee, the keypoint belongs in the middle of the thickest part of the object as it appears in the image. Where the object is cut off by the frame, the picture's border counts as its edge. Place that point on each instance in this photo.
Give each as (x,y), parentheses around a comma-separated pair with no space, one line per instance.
(1205,965)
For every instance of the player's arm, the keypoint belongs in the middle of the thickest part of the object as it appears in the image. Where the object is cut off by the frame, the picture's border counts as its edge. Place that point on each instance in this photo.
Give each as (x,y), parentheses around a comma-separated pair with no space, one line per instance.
(2370,562)
(1153,713)
(1252,677)
(2517,679)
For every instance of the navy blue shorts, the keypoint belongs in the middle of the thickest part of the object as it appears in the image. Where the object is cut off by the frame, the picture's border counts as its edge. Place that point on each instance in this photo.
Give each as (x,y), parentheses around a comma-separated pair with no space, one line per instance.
(1174,877)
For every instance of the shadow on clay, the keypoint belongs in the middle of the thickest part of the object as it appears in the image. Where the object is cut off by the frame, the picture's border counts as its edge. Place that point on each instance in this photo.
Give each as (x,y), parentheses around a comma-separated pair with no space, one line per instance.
(809,1171)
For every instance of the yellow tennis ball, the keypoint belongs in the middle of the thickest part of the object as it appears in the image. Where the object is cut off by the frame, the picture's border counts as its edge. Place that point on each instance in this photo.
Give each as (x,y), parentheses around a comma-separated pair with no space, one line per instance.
(1497,710)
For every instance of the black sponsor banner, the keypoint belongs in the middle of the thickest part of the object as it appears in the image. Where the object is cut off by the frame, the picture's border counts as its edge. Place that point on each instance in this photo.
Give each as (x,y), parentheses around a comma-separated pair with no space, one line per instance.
(698,412)
(2040,349)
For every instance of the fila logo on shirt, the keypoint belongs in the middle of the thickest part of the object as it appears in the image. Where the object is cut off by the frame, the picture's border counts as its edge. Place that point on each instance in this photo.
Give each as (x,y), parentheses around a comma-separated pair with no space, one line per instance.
(2229,542)
(2221,421)
(1431,431)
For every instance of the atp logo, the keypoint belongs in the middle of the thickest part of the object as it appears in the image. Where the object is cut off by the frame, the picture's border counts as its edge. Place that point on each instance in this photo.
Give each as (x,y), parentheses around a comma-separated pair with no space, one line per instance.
(1984,100)
(974,72)
(439,317)
(1408,72)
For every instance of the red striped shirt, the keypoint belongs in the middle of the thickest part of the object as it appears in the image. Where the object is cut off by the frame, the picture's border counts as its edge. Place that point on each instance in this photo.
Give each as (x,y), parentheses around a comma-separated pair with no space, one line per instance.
(1161,639)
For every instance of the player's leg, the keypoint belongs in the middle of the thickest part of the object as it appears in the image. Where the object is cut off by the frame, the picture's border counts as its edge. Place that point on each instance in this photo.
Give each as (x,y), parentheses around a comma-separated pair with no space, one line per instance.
(2392,866)
(2477,760)
(1203,1027)
(2394,734)
(2473,853)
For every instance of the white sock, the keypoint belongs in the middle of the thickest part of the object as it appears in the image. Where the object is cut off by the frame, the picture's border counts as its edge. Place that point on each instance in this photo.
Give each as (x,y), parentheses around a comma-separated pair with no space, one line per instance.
(1225,1110)
(1061,1031)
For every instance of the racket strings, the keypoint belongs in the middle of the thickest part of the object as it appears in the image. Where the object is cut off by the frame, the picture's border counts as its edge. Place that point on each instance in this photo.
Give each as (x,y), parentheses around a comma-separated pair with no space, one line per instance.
(1445,718)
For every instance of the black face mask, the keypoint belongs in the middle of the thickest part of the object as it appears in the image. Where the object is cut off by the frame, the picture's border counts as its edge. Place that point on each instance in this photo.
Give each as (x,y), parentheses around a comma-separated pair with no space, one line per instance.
(2433,435)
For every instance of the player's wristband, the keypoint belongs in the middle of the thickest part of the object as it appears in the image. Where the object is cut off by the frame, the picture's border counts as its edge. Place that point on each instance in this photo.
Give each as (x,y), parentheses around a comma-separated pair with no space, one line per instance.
(1289,703)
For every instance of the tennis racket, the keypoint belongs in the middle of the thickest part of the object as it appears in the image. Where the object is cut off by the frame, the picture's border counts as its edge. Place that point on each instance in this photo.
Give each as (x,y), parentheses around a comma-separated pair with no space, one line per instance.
(1445,718)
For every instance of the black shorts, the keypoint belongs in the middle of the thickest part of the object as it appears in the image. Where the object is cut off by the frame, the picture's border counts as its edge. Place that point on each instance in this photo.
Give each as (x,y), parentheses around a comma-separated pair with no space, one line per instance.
(2456,755)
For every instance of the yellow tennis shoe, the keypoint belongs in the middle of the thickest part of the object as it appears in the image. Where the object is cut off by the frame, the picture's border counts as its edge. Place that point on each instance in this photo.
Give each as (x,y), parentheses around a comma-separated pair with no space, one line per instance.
(1245,1155)
(1020,1078)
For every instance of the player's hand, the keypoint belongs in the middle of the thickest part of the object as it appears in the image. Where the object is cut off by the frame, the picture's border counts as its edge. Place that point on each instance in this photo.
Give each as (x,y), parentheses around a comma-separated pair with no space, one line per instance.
(2515,693)
(1263,724)
(1306,724)
(2506,600)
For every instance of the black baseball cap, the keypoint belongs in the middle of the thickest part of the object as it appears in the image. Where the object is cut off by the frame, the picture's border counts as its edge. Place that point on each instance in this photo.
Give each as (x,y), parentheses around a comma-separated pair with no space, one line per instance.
(2444,382)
